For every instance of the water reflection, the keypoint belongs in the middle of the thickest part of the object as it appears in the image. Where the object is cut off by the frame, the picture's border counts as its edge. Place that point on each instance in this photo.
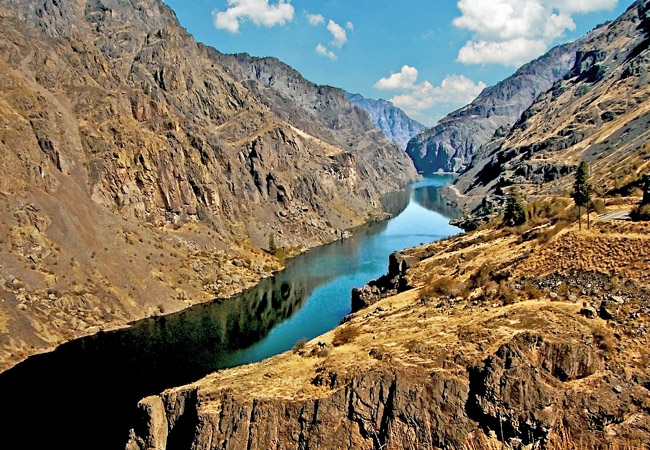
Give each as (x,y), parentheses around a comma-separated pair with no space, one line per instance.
(83,392)
(430,198)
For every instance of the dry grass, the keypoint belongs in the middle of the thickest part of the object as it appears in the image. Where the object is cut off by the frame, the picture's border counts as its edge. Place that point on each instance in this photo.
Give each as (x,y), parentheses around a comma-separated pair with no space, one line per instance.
(345,334)
(446,287)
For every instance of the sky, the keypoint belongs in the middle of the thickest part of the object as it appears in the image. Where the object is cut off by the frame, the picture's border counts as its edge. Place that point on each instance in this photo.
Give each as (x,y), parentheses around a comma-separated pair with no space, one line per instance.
(428,57)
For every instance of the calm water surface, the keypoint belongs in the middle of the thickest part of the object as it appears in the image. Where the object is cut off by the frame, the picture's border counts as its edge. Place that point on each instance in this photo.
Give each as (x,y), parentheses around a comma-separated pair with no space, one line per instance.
(83,394)
(331,272)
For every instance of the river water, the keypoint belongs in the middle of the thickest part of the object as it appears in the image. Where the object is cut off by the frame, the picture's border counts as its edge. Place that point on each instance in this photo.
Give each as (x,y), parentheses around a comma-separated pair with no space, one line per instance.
(82,395)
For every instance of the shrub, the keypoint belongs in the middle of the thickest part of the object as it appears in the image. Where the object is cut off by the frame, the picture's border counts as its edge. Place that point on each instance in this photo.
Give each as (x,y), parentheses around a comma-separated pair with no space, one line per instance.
(446,286)
(598,206)
(506,293)
(641,213)
(482,276)
(344,335)
(532,291)
(299,345)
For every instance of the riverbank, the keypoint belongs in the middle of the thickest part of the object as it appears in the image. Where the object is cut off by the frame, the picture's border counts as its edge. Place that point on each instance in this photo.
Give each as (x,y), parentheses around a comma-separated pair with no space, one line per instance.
(110,371)
(526,340)
(169,270)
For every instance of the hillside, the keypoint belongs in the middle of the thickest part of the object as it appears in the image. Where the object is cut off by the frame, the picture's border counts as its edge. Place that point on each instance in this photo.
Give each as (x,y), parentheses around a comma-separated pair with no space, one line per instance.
(452,143)
(141,172)
(396,125)
(599,113)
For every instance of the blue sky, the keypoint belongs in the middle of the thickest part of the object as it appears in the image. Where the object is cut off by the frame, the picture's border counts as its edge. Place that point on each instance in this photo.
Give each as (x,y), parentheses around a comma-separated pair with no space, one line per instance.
(427,56)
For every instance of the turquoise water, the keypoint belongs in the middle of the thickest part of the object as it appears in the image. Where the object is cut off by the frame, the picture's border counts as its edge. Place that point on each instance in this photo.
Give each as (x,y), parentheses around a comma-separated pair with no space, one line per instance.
(332,271)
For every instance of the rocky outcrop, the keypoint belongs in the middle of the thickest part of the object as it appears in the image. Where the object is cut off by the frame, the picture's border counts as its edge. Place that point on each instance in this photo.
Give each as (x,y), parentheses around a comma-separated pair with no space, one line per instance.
(157,161)
(392,283)
(395,124)
(456,139)
(517,395)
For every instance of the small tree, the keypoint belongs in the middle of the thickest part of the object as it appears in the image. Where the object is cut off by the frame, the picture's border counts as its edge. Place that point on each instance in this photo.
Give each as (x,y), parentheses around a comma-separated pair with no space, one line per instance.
(582,191)
(515,213)
(642,211)
(273,249)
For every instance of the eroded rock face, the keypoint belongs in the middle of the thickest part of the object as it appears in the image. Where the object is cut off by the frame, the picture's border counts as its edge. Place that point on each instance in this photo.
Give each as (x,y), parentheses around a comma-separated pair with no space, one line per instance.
(514,394)
(396,125)
(517,394)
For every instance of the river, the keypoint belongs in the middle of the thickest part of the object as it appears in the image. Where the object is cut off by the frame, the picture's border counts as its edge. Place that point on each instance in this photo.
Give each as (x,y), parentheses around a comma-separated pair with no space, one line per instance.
(82,395)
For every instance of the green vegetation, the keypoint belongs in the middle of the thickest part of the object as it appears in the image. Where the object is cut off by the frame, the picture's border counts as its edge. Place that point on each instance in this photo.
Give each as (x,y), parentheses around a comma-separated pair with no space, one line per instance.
(279,252)
(642,211)
(515,213)
(582,191)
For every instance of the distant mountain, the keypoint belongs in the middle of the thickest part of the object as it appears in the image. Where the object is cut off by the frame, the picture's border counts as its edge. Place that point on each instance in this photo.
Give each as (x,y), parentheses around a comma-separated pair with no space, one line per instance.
(450,145)
(395,123)
(599,112)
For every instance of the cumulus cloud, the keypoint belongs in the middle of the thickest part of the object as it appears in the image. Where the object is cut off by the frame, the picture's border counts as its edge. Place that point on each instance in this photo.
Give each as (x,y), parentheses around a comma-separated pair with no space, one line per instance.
(260,12)
(512,32)
(514,52)
(404,79)
(338,33)
(349,26)
(315,19)
(454,91)
(322,50)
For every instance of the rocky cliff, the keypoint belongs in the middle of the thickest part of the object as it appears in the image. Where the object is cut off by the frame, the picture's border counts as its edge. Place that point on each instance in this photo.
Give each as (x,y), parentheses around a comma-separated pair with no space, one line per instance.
(142,171)
(396,125)
(490,342)
(452,143)
(598,112)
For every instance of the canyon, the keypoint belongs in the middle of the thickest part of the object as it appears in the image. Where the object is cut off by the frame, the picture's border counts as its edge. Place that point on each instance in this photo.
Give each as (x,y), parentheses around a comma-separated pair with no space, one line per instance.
(152,190)
(143,172)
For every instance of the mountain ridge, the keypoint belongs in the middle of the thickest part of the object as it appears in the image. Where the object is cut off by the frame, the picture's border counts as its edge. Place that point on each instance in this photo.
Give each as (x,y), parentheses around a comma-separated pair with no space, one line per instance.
(393,121)
(451,144)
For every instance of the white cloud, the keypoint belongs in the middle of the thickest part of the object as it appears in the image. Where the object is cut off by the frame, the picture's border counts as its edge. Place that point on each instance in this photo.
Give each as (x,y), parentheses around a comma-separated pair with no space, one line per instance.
(514,52)
(584,6)
(322,50)
(511,32)
(404,79)
(260,12)
(338,33)
(454,91)
(349,26)
(315,19)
